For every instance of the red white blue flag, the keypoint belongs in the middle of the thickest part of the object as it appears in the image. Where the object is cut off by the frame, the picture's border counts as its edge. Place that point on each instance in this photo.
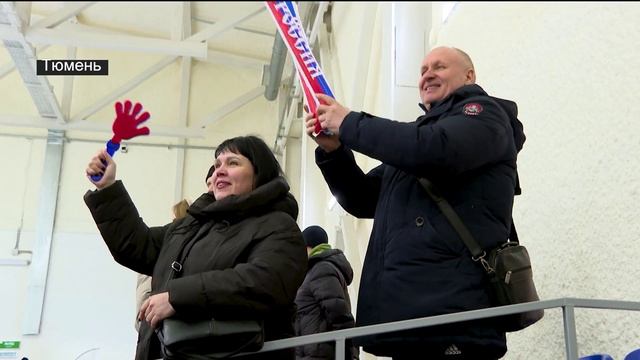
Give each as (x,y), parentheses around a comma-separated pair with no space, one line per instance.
(285,14)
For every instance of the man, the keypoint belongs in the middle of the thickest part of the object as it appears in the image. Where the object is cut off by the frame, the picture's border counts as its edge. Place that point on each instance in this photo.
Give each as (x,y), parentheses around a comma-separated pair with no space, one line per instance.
(322,300)
(416,265)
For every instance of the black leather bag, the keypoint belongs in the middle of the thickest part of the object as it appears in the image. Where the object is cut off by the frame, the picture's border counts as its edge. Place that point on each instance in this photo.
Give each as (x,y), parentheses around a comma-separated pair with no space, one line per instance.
(511,279)
(508,267)
(209,339)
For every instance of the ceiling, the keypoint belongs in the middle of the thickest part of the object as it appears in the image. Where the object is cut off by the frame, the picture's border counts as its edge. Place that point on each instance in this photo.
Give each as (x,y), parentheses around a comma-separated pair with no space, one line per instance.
(199,64)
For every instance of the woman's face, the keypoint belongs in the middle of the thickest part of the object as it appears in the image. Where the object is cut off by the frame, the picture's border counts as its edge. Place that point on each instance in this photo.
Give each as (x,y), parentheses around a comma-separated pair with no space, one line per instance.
(234,175)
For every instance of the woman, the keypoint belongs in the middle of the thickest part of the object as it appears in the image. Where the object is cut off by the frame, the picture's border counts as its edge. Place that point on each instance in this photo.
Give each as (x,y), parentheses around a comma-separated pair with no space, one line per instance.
(246,258)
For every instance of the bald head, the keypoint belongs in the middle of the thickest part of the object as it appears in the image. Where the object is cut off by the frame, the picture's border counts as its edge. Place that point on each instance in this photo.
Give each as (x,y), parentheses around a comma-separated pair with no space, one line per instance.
(443,71)
(466,59)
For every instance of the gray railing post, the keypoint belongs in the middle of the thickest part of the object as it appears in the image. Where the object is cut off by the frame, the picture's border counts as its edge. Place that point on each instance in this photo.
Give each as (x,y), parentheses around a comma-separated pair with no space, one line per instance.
(570,338)
(340,348)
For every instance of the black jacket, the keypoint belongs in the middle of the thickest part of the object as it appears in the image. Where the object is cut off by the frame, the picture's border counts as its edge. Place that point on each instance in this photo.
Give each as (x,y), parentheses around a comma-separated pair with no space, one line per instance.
(248,259)
(416,265)
(323,303)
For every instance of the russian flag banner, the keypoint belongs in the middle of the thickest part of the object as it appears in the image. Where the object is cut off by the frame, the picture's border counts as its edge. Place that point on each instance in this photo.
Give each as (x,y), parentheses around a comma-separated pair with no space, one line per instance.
(285,14)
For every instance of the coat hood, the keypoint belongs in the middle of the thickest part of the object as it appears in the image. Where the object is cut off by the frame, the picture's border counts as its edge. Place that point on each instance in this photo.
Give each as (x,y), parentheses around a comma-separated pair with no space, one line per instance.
(337,258)
(511,109)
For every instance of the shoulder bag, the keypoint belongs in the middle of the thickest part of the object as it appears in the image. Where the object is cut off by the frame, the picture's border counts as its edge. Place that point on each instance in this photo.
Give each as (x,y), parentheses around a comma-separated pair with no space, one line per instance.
(508,267)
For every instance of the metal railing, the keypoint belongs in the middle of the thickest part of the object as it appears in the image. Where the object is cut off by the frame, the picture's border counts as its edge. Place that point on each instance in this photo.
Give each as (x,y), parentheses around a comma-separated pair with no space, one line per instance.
(568,306)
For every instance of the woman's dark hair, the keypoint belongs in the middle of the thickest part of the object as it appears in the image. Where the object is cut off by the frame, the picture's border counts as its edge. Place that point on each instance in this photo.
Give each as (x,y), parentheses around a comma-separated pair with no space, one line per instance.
(265,165)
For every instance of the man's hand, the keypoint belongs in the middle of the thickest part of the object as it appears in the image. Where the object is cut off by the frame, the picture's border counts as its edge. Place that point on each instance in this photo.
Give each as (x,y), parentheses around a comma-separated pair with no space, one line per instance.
(155,309)
(330,113)
(328,143)
(125,126)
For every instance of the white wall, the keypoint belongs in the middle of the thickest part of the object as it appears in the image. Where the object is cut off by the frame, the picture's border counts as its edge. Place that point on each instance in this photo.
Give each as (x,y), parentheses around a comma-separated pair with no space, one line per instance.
(572,69)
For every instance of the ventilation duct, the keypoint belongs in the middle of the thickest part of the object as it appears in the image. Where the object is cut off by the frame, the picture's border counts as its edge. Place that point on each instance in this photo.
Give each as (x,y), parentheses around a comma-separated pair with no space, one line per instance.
(273,72)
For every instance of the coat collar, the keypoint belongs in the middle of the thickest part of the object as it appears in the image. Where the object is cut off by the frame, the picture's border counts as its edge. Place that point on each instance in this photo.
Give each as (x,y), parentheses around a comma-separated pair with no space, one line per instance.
(272,196)
(442,106)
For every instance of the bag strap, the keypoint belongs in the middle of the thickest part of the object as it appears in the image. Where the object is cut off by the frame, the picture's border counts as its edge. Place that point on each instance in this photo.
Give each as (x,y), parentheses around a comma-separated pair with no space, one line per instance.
(477,253)
(185,248)
(513,235)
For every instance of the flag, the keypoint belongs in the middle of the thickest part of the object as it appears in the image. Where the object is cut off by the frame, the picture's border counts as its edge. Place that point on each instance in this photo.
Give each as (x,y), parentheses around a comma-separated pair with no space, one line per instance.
(285,14)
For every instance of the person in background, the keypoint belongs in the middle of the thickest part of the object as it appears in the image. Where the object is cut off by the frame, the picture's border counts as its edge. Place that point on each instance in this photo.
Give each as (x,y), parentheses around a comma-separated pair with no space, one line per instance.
(143,283)
(246,256)
(322,301)
(416,265)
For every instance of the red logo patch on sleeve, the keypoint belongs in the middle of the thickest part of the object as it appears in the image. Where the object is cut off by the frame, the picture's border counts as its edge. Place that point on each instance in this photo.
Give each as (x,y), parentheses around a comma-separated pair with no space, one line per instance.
(472,109)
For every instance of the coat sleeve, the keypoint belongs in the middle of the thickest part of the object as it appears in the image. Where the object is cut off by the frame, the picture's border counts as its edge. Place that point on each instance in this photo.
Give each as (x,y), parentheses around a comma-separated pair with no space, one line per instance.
(328,292)
(131,242)
(268,280)
(455,143)
(356,191)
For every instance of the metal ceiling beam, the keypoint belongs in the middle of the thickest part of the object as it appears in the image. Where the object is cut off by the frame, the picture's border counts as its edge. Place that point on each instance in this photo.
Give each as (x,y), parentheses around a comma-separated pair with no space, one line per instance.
(239,28)
(68,37)
(228,59)
(70,10)
(108,99)
(224,25)
(213,56)
(315,28)
(231,106)
(40,34)
(24,58)
(44,123)
(205,34)
(183,31)
(8,32)
(67,87)
(10,66)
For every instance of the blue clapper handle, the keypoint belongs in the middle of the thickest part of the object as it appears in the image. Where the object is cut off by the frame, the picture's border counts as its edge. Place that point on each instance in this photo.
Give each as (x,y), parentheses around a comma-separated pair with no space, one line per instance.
(111,150)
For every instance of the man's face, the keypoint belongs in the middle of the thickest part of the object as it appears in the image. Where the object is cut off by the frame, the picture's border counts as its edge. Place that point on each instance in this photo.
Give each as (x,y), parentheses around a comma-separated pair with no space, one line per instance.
(442,72)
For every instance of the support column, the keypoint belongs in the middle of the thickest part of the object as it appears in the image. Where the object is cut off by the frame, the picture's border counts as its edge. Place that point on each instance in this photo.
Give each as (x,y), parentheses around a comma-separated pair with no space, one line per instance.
(411,25)
(36,287)
(313,194)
